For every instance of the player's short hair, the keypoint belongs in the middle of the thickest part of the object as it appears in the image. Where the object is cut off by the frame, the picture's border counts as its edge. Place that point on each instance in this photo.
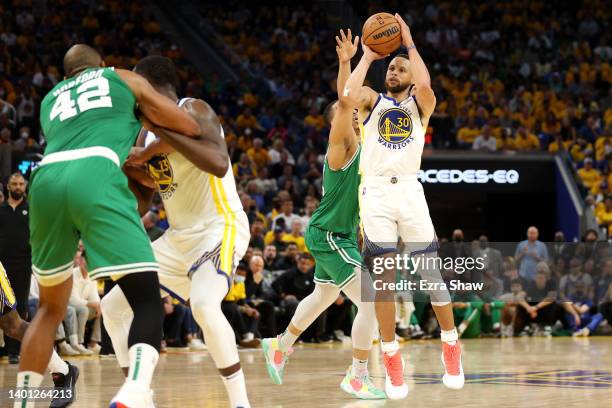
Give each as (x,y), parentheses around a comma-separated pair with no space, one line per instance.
(402,55)
(327,112)
(158,70)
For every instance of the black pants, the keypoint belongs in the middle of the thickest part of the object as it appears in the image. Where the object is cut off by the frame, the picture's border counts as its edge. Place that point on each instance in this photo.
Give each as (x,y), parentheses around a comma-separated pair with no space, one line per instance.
(546,316)
(19,274)
(241,323)
(315,331)
(267,317)
(173,324)
(338,318)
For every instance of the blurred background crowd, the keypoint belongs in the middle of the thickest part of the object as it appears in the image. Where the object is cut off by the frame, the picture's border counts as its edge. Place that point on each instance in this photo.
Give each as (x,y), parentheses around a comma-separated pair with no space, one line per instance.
(510,76)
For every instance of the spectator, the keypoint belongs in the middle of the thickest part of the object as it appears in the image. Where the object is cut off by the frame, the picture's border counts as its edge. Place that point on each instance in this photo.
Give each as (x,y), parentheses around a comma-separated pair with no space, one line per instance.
(276,152)
(257,237)
(538,307)
(258,154)
(511,301)
(270,257)
(580,318)
(149,221)
(290,257)
(294,285)
(242,317)
(560,249)
(529,252)
(589,176)
(70,322)
(485,142)
(15,251)
(244,170)
(259,293)
(296,235)
(286,214)
(525,140)
(85,300)
(576,277)
(492,258)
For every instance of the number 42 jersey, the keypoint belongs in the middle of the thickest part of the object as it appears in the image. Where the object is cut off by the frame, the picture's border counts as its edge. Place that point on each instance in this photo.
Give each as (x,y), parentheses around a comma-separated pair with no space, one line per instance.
(94,108)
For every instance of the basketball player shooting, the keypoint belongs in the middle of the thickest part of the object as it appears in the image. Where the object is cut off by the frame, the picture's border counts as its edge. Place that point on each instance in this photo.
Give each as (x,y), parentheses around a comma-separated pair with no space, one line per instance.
(331,239)
(208,233)
(392,200)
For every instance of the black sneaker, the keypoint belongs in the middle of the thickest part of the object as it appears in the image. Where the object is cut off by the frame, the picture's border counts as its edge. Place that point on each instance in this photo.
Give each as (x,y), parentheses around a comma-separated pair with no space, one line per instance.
(13,358)
(66,386)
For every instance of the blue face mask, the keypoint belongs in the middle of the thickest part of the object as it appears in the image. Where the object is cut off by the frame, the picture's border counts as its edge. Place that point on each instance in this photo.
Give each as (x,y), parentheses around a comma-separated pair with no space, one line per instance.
(239,279)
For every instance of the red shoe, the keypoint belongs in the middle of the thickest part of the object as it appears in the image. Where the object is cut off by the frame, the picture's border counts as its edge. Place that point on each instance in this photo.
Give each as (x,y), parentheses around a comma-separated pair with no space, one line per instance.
(451,358)
(395,386)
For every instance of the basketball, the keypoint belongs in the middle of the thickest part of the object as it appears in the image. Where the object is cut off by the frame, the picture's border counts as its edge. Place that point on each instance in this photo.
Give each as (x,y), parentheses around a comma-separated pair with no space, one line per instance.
(381,32)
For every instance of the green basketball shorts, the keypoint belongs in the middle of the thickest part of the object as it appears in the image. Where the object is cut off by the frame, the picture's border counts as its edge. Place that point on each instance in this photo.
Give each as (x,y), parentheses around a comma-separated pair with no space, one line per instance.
(85,199)
(336,256)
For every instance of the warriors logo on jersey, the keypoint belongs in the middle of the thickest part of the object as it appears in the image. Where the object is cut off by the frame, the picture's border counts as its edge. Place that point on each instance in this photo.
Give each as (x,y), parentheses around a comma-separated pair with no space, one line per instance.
(161,171)
(395,128)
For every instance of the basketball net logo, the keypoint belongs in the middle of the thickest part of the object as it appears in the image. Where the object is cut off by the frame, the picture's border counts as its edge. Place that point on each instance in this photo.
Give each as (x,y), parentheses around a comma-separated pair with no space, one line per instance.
(395,128)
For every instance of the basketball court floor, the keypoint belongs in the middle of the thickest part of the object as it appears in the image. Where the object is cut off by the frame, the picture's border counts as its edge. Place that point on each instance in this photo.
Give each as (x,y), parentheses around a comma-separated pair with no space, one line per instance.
(527,372)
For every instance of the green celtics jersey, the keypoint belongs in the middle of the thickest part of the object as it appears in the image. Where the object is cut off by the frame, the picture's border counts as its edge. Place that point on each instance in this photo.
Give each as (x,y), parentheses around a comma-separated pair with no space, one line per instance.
(339,208)
(94,108)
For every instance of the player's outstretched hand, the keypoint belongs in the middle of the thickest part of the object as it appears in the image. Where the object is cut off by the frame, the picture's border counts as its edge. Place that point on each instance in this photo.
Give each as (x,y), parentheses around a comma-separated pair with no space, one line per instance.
(347,46)
(405,30)
(371,55)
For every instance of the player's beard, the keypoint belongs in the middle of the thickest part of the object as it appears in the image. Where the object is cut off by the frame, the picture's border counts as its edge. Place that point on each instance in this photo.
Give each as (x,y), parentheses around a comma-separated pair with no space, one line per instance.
(399,87)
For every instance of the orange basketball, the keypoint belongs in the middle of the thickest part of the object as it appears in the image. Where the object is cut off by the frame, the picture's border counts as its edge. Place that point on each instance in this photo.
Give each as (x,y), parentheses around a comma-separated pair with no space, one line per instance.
(381,32)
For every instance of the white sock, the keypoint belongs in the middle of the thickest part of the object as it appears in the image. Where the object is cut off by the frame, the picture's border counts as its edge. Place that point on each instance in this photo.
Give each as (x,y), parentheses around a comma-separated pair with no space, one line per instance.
(390,348)
(286,340)
(449,336)
(143,359)
(236,390)
(57,365)
(27,379)
(359,368)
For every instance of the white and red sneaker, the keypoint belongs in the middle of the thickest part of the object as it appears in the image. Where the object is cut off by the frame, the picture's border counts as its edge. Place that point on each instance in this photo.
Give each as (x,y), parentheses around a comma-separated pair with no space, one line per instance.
(395,386)
(453,369)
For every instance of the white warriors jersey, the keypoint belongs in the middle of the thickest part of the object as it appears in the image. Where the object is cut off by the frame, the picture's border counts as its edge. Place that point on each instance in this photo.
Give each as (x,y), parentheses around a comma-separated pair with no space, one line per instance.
(192,197)
(392,138)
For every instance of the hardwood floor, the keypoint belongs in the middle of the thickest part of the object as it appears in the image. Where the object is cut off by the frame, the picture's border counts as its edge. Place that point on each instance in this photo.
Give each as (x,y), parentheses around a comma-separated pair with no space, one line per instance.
(528,372)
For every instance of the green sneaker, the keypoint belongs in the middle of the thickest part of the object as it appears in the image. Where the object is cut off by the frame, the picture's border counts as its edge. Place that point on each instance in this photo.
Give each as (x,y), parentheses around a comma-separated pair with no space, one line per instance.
(275,358)
(361,387)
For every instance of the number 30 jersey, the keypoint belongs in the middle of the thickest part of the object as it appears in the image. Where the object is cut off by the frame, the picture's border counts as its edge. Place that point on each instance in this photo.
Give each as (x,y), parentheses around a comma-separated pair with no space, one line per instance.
(392,138)
(94,108)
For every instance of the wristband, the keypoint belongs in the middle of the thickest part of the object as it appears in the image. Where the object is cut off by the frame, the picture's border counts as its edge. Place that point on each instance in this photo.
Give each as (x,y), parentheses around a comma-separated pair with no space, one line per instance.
(411,47)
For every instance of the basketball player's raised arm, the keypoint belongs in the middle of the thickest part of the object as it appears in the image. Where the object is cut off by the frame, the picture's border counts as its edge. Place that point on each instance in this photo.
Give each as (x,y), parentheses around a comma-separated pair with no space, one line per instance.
(354,93)
(342,141)
(425,97)
(208,151)
(157,108)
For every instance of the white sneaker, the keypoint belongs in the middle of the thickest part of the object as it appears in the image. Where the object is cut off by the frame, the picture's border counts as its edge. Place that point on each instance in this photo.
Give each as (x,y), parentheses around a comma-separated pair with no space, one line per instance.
(133,397)
(66,350)
(197,345)
(82,350)
(96,349)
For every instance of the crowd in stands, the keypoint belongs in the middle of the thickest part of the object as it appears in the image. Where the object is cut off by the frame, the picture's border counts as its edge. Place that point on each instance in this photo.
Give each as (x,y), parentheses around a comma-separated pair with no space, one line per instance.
(509,76)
